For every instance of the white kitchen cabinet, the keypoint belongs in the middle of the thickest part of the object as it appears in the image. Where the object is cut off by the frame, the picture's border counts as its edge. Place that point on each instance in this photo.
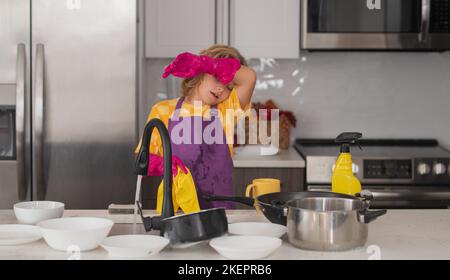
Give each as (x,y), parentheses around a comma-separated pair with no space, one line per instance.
(265,28)
(258,28)
(175,26)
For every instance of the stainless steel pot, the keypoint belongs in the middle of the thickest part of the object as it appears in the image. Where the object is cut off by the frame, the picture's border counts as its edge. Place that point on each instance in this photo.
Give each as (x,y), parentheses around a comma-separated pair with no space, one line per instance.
(329,223)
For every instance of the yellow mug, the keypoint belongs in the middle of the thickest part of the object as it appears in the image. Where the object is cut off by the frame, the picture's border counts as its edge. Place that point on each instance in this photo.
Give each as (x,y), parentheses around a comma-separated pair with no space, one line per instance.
(262,186)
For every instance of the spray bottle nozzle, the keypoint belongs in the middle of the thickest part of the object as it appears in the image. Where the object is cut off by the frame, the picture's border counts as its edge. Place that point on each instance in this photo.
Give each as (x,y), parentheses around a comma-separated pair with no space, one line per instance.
(348,138)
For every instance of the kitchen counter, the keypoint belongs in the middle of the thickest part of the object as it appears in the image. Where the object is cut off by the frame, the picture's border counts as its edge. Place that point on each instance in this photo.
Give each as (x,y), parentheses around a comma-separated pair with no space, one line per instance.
(400,234)
(248,157)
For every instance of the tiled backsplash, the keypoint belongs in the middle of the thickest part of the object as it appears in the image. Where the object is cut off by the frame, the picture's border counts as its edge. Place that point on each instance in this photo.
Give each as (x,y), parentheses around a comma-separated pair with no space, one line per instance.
(381,94)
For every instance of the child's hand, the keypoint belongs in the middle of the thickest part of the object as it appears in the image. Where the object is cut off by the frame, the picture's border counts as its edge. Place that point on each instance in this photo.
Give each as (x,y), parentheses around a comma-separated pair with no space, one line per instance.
(225,69)
(187,65)
(156,166)
(176,162)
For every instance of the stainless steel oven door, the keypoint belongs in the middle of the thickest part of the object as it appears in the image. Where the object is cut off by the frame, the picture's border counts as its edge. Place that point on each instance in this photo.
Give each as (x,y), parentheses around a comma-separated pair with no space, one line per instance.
(375,24)
(403,197)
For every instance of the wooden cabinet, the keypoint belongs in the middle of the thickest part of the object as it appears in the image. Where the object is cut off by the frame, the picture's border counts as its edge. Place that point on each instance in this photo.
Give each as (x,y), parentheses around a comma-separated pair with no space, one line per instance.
(258,28)
(175,26)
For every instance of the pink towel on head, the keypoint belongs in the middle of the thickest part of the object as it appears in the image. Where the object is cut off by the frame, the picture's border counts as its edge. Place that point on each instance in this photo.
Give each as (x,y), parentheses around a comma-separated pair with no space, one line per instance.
(187,65)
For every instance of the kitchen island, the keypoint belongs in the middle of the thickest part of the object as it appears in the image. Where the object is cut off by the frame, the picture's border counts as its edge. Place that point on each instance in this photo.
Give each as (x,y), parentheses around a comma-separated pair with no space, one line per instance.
(400,234)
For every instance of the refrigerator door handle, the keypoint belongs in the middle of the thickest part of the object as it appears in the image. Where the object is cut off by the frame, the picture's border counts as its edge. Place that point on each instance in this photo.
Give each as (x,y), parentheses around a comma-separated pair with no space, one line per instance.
(425,22)
(39,122)
(21,66)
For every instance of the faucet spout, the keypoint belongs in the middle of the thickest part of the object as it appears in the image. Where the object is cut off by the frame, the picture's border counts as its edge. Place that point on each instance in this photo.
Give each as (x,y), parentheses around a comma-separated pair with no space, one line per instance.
(143,157)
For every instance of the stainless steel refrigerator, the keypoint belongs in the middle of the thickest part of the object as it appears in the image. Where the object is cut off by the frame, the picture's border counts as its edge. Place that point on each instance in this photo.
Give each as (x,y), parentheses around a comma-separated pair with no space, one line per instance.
(67,101)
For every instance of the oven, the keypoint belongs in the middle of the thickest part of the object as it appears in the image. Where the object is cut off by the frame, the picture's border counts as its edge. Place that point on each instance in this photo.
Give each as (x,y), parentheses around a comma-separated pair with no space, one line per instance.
(376,24)
(407,173)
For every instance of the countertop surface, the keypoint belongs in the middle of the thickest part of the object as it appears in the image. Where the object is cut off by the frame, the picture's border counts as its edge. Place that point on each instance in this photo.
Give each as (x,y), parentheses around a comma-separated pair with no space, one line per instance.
(248,156)
(400,234)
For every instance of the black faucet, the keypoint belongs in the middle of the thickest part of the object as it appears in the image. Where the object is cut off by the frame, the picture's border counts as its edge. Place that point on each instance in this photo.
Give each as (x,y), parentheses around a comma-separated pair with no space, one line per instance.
(142,164)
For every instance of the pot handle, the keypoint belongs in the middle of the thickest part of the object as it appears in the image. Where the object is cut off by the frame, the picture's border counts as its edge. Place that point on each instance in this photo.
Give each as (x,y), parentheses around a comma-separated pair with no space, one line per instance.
(239,199)
(149,222)
(365,195)
(366,216)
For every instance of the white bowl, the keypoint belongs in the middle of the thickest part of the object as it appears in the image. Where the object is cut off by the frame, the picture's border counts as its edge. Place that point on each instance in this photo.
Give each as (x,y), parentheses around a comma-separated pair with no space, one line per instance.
(33,212)
(134,246)
(256,150)
(77,233)
(262,229)
(246,247)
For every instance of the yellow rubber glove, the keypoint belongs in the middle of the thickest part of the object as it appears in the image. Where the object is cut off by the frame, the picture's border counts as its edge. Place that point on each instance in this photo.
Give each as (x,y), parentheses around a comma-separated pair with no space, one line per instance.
(184,194)
(159,200)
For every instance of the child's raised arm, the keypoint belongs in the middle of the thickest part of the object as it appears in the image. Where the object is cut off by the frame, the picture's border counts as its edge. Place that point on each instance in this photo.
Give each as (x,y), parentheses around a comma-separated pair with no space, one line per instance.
(244,82)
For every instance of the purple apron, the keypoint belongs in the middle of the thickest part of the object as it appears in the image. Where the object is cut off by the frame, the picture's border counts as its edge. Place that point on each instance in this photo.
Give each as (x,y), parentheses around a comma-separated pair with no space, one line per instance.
(194,141)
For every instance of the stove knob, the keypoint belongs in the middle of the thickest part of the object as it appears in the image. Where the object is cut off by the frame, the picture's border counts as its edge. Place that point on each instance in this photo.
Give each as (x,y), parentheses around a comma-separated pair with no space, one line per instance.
(439,169)
(423,169)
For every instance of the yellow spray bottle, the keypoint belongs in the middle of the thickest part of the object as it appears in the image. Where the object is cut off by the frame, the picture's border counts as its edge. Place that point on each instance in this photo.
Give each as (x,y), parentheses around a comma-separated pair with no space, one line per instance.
(343,180)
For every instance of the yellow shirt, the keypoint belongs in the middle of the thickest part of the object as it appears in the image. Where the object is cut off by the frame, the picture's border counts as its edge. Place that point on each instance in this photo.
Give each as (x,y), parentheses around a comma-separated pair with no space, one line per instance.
(229,110)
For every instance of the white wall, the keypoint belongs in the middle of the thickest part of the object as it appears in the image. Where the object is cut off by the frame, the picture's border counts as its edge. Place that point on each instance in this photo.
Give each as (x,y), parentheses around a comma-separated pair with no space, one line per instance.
(382,94)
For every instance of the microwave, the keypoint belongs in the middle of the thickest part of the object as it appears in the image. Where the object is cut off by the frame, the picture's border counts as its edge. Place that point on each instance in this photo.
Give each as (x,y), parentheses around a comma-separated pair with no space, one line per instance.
(376,24)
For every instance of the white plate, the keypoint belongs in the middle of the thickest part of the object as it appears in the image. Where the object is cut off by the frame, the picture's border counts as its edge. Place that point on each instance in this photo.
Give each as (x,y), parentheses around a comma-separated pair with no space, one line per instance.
(262,229)
(83,233)
(33,212)
(185,245)
(134,246)
(248,247)
(18,234)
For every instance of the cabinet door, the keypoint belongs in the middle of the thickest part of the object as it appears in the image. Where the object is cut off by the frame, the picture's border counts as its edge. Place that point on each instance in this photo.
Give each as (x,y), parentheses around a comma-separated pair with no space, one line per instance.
(265,28)
(175,26)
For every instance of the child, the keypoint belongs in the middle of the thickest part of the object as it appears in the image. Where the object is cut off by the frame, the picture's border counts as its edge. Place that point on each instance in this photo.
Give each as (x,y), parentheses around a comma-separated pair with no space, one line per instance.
(220,80)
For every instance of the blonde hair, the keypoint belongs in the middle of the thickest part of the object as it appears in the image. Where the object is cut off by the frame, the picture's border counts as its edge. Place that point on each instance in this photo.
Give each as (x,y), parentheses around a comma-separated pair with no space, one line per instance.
(215,51)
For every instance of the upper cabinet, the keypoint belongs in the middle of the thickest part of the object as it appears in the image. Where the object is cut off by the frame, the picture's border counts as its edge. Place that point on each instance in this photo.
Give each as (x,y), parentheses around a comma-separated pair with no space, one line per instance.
(265,28)
(258,28)
(175,26)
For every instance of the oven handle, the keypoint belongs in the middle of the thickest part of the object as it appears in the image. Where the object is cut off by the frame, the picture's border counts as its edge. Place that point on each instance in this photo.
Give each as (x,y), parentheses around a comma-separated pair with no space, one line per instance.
(410,195)
(21,66)
(425,22)
(393,195)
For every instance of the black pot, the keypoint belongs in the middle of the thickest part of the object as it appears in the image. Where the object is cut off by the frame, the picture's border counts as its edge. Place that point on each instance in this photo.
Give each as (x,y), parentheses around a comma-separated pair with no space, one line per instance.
(186,228)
